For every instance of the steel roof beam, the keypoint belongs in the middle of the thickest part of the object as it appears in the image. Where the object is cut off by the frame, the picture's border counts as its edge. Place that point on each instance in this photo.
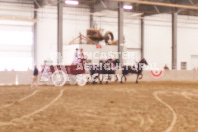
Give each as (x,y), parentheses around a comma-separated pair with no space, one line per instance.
(158,4)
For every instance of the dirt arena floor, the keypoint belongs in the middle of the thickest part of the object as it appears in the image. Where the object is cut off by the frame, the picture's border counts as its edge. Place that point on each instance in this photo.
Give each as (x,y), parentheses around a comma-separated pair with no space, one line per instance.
(130,107)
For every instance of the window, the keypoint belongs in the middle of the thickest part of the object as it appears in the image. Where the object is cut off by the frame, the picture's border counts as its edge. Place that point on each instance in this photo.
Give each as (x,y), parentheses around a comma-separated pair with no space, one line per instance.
(16,47)
(15,63)
(15,37)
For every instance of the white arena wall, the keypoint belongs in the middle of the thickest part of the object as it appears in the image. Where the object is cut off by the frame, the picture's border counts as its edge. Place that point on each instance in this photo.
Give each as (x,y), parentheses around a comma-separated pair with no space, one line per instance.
(158,37)
(158,41)
(76,20)
(25,77)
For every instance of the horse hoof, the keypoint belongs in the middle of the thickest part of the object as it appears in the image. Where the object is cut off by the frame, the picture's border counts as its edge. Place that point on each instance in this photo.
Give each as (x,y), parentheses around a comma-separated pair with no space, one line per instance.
(121,82)
(107,82)
(100,82)
(137,82)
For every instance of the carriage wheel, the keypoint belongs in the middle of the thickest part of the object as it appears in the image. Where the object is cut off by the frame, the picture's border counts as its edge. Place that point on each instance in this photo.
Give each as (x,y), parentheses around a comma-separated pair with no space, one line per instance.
(81,80)
(72,79)
(59,78)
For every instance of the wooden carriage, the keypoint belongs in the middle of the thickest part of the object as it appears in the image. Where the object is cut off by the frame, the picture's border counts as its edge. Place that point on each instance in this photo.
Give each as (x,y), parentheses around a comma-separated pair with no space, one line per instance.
(58,75)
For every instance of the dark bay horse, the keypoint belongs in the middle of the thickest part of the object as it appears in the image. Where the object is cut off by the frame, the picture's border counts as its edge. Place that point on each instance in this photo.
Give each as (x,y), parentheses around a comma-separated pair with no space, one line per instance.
(133,70)
(107,67)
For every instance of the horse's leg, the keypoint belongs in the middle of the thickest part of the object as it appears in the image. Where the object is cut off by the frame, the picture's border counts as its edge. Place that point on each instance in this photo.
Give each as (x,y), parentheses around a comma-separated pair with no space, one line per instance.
(141,76)
(107,79)
(125,78)
(101,78)
(121,78)
(116,80)
(94,79)
(137,78)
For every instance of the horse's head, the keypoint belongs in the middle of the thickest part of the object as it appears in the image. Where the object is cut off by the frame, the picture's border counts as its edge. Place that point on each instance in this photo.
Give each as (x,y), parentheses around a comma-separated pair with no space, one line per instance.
(143,61)
(101,62)
(116,62)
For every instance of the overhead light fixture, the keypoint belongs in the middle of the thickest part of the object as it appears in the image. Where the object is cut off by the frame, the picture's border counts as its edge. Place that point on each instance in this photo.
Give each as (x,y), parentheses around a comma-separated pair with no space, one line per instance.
(71,2)
(128,7)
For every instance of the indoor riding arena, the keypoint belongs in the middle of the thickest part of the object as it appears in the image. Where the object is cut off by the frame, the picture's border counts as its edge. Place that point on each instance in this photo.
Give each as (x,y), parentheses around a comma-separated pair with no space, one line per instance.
(98,66)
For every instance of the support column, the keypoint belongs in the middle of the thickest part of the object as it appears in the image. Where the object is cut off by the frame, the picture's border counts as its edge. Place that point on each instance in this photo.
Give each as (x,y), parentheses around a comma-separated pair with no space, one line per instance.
(120,30)
(174,40)
(34,49)
(91,17)
(59,32)
(142,37)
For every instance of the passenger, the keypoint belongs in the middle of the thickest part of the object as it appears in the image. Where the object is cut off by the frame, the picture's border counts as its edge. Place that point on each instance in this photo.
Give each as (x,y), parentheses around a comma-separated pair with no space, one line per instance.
(166,67)
(76,54)
(81,54)
(35,77)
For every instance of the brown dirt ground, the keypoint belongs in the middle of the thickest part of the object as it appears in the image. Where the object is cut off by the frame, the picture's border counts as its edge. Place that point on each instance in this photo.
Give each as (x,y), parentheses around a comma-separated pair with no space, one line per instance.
(130,107)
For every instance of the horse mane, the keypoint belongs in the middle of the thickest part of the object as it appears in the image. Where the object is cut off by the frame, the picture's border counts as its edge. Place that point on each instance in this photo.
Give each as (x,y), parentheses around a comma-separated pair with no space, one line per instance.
(141,60)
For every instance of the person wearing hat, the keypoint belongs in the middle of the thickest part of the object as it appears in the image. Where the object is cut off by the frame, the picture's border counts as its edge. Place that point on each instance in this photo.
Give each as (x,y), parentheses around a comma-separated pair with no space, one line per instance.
(35,76)
(81,54)
(76,54)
